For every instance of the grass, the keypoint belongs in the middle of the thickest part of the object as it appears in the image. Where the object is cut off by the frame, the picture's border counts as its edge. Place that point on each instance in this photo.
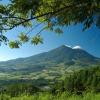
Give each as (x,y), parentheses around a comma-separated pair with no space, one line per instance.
(47,96)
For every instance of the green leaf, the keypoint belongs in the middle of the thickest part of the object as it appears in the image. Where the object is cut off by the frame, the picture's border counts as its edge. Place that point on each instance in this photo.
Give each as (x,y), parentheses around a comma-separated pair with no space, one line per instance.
(3,39)
(14,44)
(58,31)
(36,40)
(23,37)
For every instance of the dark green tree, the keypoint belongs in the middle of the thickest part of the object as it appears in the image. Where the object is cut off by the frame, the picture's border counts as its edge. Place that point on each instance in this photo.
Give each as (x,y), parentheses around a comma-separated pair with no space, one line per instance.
(84,80)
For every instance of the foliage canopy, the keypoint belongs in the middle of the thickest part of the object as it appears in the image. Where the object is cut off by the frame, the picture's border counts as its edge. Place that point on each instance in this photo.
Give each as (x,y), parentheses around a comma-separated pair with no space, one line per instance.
(52,13)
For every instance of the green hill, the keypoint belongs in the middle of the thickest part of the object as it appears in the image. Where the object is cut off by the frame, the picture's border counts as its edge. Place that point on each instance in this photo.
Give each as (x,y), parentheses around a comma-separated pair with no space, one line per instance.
(48,65)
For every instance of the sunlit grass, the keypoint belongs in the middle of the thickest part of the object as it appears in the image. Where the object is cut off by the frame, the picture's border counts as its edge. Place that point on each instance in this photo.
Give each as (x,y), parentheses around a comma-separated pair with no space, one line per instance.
(48,96)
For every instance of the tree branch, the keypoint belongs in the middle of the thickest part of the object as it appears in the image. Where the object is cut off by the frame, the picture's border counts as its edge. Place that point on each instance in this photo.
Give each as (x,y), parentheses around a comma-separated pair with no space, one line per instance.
(42,15)
(20,18)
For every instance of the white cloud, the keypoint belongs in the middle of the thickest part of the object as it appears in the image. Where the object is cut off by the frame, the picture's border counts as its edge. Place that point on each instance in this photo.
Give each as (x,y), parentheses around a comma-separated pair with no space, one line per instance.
(76,47)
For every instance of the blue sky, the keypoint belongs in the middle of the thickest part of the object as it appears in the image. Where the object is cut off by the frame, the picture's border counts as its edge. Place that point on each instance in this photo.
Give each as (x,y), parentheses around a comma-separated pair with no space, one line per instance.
(73,35)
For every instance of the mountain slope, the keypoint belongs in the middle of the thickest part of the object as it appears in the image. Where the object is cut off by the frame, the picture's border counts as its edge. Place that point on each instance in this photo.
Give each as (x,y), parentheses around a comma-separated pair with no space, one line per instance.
(61,55)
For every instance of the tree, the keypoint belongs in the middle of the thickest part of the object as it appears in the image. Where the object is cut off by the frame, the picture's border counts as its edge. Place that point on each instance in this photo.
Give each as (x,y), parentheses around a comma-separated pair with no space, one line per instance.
(52,13)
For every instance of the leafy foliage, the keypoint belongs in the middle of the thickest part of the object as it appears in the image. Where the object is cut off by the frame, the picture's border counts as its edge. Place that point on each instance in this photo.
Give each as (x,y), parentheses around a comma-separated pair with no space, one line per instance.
(20,88)
(23,37)
(58,30)
(3,39)
(48,96)
(14,44)
(80,85)
(54,13)
(36,40)
(87,80)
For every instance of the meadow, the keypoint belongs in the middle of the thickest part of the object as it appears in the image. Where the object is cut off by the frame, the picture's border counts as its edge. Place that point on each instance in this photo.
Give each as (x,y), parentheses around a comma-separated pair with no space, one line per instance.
(48,96)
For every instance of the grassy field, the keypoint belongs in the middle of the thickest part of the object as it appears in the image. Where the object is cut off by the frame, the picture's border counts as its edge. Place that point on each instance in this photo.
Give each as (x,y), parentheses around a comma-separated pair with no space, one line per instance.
(47,96)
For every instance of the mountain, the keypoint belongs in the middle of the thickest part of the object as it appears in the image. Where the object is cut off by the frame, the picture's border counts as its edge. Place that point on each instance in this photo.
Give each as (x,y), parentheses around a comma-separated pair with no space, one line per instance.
(62,54)
(62,58)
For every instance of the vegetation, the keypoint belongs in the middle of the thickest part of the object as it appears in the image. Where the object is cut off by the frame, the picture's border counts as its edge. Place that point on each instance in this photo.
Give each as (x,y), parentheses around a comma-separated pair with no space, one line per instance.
(46,96)
(54,75)
(83,81)
(51,65)
(52,14)
(60,74)
(80,85)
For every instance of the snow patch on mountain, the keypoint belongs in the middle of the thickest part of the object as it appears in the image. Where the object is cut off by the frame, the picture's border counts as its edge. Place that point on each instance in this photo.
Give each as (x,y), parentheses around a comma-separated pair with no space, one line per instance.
(77,47)
(74,47)
(68,46)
